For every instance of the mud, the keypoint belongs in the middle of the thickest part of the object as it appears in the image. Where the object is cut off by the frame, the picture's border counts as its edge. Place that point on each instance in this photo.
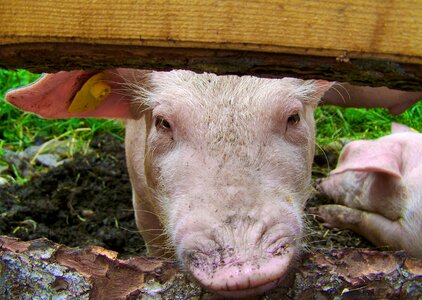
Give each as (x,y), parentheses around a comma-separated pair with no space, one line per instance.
(87,201)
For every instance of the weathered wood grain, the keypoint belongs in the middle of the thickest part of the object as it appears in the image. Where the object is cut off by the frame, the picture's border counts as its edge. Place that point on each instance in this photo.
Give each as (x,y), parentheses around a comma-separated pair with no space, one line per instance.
(322,27)
(364,42)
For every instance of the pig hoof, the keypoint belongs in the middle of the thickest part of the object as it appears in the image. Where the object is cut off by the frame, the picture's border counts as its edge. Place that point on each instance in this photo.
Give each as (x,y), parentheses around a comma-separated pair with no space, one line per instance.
(339,216)
(317,213)
(240,275)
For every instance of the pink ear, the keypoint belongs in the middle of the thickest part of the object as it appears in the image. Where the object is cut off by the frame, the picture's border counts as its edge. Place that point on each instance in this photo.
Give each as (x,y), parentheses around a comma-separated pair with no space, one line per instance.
(51,96)
(322,87)
(371,156)
(397,128)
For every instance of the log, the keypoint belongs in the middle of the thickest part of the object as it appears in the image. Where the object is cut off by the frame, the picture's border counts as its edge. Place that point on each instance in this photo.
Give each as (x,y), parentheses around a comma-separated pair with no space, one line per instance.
(51,57)
(375,43)
(43,269)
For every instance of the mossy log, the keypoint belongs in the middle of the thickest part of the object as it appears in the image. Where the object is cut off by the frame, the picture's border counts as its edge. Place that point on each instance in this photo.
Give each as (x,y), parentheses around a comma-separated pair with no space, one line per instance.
(45,270)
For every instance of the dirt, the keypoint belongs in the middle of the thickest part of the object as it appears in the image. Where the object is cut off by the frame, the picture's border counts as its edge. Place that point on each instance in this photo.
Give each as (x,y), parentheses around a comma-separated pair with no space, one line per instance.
(87,201)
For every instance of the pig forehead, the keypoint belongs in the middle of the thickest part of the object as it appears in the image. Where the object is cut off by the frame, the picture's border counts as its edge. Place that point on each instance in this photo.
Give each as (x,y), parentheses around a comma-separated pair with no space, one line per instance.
(209,92)
(225,112)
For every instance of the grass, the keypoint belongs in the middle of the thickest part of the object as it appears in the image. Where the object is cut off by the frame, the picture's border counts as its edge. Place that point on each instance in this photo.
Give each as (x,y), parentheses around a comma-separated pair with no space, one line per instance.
(358,123)
(19,130)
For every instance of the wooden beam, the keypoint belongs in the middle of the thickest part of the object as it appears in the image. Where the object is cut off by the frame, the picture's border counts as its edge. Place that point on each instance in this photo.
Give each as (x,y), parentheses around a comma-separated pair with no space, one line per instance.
(365,42)
(323,27)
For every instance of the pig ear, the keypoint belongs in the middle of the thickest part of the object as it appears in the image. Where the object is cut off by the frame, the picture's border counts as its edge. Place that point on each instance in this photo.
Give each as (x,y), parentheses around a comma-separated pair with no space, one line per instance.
(370,156)
(397,128)
(314,90)
(321,87)
(80,94)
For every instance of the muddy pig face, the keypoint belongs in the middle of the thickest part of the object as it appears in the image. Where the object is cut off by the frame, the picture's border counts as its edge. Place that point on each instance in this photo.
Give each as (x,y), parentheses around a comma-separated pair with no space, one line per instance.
(220,165)
(226,162)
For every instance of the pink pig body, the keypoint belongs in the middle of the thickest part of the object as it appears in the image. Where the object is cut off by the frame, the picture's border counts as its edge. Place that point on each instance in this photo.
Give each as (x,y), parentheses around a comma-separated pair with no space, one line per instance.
(220,166)
(378,187)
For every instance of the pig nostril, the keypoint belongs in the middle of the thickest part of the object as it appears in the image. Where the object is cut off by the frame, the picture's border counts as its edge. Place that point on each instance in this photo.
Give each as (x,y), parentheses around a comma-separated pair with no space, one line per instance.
(280,250)
(318,181)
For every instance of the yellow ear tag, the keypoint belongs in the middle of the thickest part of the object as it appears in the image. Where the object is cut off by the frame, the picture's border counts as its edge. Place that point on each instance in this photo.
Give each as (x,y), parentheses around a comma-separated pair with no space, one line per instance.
(91,94)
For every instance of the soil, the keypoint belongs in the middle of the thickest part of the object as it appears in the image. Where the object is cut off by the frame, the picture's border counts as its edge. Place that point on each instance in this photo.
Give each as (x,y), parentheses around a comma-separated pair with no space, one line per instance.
(87,201)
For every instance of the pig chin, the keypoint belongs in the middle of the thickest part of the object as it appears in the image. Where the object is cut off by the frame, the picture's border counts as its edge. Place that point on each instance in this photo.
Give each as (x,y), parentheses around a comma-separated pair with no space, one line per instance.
(239,263)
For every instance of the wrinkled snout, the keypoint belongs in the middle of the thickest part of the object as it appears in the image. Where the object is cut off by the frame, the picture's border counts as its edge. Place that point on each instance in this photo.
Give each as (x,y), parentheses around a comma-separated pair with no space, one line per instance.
(332,186)
(242,259)
(239,275)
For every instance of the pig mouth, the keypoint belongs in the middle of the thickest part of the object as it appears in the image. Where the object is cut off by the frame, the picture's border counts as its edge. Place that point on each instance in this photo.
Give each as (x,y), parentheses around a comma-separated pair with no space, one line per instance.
(239,275)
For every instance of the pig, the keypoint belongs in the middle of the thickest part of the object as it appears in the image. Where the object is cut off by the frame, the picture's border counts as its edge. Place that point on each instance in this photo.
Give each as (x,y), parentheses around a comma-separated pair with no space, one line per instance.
(377,186)
(220,166)
(347,95)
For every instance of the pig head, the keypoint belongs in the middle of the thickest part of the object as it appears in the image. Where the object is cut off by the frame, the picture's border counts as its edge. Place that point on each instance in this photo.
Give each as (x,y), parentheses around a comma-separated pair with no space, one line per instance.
(377,186)
(220,166)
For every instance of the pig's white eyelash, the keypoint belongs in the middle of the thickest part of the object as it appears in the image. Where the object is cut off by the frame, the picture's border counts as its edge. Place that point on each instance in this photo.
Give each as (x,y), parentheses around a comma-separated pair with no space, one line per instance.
(134,87)
(168,246)
(205,84)
(306,244)
(149,212)
(140,94)
(307,91)
(334,87)
(325,155)
(129,93)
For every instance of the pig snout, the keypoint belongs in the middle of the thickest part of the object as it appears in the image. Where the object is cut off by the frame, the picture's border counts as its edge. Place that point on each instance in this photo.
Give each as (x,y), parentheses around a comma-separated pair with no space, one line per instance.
(236,230)
(218,270)
(242,257)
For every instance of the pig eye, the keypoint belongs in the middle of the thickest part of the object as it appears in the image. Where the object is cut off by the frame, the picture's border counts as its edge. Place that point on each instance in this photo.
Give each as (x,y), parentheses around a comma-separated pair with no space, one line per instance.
(161,123)
(294,119)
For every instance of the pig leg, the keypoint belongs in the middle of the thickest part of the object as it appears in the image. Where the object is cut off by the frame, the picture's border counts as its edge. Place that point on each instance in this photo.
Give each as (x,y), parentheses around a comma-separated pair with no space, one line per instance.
(373,192)
(374,227)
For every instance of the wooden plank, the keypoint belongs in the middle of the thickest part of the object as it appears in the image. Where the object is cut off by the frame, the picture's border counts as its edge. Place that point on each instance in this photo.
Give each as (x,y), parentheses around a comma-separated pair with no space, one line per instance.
(377,43)
(387,29)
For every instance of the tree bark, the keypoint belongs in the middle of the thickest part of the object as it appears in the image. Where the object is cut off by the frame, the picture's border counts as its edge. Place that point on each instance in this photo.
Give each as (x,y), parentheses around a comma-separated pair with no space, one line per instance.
(43,269)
